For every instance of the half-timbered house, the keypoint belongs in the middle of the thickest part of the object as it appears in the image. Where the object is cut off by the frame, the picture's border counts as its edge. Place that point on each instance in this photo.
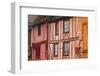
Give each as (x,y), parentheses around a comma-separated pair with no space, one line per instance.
(59,37)
(39,39)
(68,37)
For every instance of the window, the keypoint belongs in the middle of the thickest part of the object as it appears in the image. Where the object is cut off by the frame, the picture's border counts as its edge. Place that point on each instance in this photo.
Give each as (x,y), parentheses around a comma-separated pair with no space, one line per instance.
(56,28)
(78,52)
(46,51)
(56,49)
(66,26)
(39,30)
(66,49)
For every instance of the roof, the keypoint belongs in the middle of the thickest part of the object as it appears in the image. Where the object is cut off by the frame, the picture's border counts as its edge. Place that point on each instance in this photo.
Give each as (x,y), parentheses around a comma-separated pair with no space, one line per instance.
(42,19)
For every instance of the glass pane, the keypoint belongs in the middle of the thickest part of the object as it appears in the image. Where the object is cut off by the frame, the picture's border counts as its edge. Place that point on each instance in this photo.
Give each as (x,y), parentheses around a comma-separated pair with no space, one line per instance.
(66,26)
(66,48)
(56,50)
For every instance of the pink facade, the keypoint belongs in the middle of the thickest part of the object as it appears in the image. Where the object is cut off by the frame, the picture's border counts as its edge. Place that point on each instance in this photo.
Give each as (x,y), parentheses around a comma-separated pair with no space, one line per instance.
(39,42)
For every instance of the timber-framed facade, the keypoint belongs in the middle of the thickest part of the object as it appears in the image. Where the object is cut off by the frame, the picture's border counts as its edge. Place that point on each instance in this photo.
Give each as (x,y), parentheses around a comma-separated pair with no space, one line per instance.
(59,37)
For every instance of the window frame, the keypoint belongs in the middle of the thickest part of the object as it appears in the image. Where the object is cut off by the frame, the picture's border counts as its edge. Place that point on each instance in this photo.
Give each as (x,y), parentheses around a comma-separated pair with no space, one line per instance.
(57,28)
(55,48)
(39,30)
(66,20)
(64,54)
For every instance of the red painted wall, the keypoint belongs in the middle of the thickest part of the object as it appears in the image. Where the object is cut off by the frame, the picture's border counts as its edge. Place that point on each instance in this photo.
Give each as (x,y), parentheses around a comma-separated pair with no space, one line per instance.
(39,41)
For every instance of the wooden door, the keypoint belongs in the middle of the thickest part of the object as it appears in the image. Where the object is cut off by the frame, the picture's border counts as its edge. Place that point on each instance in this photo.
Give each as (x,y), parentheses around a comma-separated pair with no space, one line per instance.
(37,53)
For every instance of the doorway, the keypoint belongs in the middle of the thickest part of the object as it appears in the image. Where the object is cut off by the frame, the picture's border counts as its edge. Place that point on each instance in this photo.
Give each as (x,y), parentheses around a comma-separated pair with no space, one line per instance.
(37,53)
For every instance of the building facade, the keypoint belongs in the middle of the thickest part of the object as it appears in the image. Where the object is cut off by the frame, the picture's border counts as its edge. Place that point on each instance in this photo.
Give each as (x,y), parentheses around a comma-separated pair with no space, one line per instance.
(55,37)
(68,38)
(39,41)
